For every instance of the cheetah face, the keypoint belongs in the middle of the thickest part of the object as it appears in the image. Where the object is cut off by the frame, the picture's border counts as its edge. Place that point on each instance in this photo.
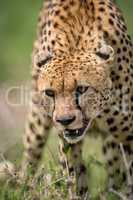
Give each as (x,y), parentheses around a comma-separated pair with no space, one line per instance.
(76,88)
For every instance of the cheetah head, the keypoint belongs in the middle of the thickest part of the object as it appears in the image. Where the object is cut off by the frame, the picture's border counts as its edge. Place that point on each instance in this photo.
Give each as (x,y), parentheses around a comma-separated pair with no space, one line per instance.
(75,89)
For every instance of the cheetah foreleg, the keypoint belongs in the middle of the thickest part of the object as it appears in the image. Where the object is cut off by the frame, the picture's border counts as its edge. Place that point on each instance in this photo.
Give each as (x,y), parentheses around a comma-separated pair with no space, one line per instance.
(73,165)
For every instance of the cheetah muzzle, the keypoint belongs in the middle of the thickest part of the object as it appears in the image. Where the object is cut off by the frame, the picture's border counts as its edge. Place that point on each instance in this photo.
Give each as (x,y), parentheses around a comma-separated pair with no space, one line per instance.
(75,135)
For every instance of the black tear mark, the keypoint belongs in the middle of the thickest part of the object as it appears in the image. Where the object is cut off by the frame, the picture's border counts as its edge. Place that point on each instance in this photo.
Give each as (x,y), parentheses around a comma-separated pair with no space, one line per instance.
(102,55)
(44,61)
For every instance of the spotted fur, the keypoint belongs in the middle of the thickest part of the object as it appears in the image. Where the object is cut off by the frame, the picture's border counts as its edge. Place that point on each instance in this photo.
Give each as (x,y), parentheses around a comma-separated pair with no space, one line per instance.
(82,73)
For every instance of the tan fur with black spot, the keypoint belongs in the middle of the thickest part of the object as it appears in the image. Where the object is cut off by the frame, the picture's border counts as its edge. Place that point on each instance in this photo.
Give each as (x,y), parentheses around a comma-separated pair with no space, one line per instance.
(82,72)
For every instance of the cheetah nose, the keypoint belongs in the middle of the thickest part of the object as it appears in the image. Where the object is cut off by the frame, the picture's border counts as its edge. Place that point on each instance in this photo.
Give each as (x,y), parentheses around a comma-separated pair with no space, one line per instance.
(66,120)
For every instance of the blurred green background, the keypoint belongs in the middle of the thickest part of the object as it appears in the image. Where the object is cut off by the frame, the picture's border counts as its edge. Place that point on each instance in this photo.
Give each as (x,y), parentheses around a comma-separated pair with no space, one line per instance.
(18,21)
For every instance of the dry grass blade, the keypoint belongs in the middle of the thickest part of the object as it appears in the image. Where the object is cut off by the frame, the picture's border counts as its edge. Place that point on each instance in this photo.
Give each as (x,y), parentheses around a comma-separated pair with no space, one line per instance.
(119,194)
(127,165)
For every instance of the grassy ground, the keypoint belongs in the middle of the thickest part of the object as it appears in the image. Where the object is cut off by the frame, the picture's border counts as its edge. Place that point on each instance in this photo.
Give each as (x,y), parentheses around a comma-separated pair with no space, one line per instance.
(49,183)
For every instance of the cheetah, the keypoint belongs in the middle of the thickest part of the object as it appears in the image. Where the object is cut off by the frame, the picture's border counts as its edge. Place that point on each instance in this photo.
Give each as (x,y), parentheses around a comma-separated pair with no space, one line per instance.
(82,81)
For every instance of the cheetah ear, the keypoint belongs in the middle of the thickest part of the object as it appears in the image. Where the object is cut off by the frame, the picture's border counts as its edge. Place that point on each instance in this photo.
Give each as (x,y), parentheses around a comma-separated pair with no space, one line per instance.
(106,53)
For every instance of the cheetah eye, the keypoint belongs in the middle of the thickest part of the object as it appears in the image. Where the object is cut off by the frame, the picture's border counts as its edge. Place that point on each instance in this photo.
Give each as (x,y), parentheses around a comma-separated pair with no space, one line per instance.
(81,89)
(44,61)
(49,93)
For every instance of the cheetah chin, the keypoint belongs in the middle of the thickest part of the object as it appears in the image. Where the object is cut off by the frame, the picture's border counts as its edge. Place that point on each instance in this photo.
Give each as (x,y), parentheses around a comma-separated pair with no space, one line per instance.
(75,135)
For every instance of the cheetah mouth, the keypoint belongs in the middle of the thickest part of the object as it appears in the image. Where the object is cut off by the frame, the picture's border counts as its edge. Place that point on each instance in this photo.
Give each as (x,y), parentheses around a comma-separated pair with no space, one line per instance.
(70,133)
(74,135)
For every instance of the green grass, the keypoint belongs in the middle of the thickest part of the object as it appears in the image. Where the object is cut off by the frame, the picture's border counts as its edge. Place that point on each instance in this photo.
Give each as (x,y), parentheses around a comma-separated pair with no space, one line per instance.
(49,182)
